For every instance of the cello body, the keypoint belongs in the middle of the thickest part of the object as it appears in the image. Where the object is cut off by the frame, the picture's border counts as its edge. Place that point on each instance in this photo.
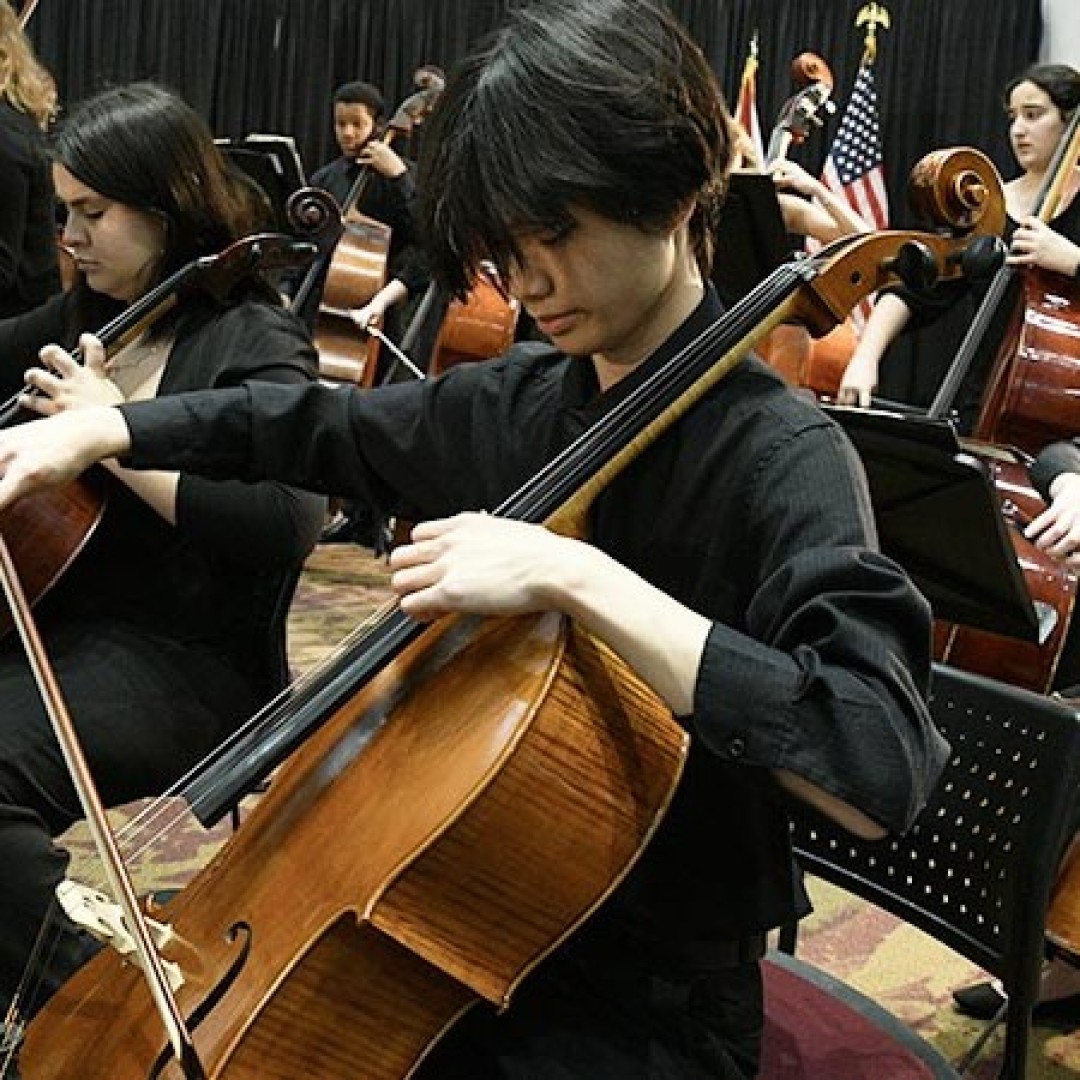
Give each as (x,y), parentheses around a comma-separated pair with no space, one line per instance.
(523,738)
(46,531)
(478,328)
(815,364)
(356,273)
(1033,393)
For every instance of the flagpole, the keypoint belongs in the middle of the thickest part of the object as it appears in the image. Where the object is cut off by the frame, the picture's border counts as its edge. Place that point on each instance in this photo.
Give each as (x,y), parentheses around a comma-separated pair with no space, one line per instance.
(746,110)
(871,15)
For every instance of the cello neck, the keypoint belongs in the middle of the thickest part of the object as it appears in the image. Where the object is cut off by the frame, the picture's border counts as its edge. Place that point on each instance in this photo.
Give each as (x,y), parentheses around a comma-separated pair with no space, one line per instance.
(363,177)
(1048,201)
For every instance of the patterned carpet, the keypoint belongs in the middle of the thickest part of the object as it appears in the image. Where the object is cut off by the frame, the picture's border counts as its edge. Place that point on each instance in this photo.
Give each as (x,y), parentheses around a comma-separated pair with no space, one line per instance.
(908,973)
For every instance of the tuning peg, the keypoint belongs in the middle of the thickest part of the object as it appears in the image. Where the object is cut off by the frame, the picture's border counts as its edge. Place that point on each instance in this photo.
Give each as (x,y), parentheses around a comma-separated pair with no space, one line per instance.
(915,265)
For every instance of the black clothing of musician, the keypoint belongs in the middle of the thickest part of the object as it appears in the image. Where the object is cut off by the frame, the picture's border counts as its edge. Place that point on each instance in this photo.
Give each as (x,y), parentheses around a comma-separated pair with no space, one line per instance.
(29,273)
(752,511)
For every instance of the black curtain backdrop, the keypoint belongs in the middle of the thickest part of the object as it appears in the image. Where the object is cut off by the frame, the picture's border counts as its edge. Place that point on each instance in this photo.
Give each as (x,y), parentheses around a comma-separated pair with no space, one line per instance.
(270,66)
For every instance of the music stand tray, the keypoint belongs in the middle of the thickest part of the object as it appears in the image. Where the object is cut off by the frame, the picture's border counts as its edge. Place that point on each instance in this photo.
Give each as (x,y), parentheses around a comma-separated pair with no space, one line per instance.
(939,517)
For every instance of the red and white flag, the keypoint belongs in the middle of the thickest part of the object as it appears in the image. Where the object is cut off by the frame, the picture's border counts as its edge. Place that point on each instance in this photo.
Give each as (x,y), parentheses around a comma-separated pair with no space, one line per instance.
(746,110)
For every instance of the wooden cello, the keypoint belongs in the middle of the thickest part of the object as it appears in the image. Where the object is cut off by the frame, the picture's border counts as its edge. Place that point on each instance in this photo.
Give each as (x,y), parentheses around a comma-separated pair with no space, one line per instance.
(803,360)
(1030,397)
(46,531)
(477,328)
(441,882)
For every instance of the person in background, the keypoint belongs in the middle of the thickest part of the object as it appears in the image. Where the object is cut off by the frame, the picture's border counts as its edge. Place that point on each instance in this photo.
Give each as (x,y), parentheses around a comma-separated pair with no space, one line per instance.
(388,196)
(29,269)
(1039,102)
(166,632)
(389,190)
(807,206)
(733,565)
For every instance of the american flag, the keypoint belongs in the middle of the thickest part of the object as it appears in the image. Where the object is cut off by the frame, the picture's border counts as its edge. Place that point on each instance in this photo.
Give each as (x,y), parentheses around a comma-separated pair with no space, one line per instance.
(854,166)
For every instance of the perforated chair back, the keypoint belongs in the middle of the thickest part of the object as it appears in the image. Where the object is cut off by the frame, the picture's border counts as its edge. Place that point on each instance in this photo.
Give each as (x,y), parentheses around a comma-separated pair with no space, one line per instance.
(975,871)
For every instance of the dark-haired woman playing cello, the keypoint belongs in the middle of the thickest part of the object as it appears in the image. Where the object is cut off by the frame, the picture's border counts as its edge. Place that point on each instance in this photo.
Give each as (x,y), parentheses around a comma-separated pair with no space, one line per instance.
(1039,103)
(160,631)
(734,564)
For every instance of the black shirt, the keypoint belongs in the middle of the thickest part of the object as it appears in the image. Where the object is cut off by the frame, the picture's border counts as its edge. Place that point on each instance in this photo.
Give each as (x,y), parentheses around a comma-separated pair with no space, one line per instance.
(752,510)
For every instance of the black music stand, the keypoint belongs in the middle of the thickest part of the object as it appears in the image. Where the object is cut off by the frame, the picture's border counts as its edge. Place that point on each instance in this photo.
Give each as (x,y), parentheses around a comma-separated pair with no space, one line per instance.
(750,238)
(938,516)
(273,162)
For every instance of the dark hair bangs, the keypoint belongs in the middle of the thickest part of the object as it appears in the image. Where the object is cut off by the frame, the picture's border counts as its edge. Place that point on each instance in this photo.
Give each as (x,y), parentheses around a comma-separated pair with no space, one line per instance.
(580,110)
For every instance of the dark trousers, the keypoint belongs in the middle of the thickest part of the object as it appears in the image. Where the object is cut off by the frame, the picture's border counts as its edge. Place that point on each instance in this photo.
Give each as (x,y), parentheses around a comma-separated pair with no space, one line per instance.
(586,1017)
(145,710)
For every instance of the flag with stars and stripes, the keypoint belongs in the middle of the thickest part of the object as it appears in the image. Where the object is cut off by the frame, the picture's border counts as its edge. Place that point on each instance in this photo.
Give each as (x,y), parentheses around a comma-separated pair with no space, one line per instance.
(854,166)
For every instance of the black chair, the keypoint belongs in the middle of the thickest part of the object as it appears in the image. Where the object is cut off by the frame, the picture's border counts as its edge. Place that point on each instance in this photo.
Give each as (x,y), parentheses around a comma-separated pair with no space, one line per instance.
(975,872)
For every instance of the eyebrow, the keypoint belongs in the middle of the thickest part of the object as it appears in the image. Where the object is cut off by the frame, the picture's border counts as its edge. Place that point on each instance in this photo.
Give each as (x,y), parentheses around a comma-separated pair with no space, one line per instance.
(82,200)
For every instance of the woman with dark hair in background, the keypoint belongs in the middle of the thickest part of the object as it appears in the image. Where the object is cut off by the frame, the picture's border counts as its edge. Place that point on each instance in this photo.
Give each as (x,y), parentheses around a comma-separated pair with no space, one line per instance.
(163,631)
(1039,103)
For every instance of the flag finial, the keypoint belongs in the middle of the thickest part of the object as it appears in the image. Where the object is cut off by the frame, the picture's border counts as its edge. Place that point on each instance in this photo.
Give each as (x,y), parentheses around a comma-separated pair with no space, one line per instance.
(872,16)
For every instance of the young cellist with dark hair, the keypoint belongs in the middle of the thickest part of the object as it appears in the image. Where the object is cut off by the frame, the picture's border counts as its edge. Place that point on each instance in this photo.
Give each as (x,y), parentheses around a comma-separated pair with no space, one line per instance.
(734,565)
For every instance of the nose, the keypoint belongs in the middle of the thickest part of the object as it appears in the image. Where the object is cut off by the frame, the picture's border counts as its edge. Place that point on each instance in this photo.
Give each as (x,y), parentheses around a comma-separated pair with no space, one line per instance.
(528,280)
(72,235)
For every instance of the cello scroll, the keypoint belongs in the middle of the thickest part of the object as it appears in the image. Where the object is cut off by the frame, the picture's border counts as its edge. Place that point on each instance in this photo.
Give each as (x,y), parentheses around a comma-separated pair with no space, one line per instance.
(801,113)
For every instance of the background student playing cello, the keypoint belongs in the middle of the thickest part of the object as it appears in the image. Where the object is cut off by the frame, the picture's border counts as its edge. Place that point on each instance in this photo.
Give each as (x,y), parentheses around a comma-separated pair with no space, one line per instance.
(1039,103)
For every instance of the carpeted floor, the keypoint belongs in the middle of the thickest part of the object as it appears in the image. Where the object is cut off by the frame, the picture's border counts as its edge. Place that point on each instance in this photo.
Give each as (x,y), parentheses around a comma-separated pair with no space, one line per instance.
(910,974)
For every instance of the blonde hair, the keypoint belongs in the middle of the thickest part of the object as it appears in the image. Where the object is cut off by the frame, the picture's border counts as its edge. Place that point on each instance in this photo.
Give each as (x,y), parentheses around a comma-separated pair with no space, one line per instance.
(24,80)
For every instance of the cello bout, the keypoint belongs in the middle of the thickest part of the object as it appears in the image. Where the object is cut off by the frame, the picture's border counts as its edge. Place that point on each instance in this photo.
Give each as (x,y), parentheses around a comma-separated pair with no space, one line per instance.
(471,807)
